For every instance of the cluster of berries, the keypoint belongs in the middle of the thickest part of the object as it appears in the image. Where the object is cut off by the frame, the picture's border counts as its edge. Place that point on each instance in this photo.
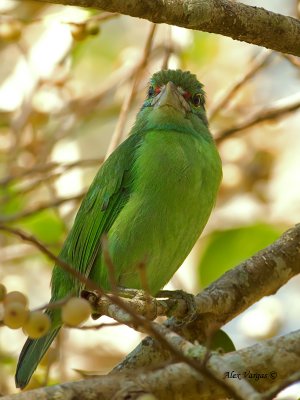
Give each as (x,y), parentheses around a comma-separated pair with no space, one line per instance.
(14,313)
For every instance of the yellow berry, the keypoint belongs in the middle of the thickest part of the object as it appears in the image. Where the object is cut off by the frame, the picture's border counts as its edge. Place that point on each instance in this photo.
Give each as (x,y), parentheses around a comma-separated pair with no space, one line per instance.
(11,31)
(16,297)
(37,324)
(15,315)
(38,118)
(76,311)
(92,27)
(78,31)
(3,292)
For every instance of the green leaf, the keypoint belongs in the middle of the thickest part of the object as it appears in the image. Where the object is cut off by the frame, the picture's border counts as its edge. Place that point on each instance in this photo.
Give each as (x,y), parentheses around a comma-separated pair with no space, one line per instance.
(202,50)
(45,226)
(10,201)
(225,249)
(221,340)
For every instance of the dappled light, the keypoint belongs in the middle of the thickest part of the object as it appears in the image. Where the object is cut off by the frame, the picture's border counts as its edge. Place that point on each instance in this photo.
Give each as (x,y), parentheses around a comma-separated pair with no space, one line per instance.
(71,83)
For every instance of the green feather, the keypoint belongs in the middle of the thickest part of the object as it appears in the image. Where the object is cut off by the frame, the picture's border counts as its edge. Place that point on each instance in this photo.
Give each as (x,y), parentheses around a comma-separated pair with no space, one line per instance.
(152,198)
(184,79)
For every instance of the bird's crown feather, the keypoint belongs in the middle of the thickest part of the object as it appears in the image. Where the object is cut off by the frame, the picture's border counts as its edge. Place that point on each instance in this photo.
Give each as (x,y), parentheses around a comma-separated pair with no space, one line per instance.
(184,79)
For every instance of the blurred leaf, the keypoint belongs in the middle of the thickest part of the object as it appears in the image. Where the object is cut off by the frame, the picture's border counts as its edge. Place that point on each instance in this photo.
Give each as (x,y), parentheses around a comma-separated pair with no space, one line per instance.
(10,202)
(221,340)
(203,50)
(7,358)
(226,249)
(35,383)
(95,56)
(46,226)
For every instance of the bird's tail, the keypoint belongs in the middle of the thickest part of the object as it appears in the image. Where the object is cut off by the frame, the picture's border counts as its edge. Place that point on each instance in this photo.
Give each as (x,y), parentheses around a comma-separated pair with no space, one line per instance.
(31,354)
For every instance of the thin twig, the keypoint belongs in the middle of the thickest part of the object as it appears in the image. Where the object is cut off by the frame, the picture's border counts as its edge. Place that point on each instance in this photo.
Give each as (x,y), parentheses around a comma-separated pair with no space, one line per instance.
(168,49)
(38,209)
(103,16)
(295,61)
(85,104)
(45,168)
(97,326)
(151,328)
(261,275)
(119,130)
(259,62)
(54,305)
(271,393)
(29,187)
(89,284)
(274,111)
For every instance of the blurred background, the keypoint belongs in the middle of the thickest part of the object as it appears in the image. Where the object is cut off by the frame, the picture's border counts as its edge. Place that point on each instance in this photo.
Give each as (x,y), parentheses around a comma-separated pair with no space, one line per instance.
(71,83)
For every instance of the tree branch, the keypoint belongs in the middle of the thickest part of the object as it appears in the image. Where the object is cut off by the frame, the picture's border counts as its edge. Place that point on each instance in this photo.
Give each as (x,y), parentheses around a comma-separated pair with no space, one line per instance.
(39,208)
(118,134)
(268,362)
(51,167)
(259,62)
(239,21)
(155,330)
(278,109)
(262,274)
(239,288)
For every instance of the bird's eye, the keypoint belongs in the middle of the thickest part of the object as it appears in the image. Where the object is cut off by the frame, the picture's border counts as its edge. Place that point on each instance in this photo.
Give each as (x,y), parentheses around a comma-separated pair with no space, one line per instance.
(197,99)
(151,91)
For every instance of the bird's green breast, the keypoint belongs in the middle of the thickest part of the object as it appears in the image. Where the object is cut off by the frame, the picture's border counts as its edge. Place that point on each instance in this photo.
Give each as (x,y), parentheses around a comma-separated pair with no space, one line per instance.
(175,180)
(152,198)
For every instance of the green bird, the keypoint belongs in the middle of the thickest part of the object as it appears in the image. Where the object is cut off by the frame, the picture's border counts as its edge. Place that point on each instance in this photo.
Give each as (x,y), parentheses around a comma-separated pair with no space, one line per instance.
(152,198)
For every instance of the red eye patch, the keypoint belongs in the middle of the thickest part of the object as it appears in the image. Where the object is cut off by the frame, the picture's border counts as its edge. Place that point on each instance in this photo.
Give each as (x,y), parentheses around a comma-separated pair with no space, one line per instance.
(187,95)
(157,90)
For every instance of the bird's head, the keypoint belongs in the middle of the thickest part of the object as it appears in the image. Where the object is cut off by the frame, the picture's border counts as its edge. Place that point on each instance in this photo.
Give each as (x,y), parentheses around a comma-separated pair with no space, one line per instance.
(176,93)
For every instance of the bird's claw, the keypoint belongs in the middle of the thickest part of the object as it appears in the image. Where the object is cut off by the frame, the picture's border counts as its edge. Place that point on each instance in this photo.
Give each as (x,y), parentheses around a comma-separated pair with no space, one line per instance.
(189,299)
(132,293)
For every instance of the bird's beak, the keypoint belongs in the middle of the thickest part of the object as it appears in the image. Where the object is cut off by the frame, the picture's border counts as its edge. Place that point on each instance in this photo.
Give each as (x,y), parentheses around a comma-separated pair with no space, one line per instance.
(171,96)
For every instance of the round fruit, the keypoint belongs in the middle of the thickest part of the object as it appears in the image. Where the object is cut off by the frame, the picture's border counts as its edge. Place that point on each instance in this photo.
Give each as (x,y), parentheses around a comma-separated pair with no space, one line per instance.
(3,292)
(15,297)
(15,315)
(92,27)
(37,324)
(78,31)
(76,311)
(11,30)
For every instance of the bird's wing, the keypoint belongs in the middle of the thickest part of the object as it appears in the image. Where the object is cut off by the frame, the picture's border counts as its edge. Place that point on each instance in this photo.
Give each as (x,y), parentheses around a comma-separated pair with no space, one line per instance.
(104,200)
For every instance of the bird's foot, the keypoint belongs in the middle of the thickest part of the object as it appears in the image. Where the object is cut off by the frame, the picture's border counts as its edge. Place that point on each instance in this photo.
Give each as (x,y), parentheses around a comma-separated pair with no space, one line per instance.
(130,293)
(92,298)
(189,300)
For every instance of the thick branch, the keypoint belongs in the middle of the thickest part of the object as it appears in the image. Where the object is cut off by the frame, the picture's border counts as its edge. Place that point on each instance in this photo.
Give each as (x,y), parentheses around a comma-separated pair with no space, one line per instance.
(274,360)
(239,288)
(239,21)
(261,275)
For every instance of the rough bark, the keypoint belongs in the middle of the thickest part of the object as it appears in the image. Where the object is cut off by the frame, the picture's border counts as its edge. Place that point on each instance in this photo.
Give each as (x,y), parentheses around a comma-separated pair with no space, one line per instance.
(239,21)
(264,365)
